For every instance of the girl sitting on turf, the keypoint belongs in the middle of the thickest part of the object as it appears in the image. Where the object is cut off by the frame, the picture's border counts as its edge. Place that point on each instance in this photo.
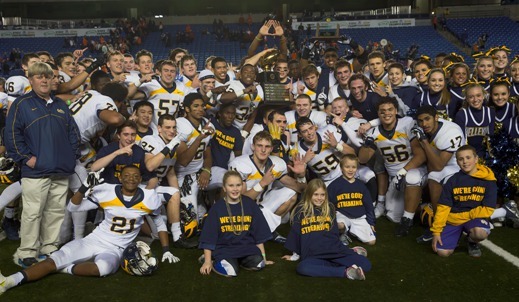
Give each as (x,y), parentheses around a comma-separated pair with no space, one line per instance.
(234,232)
(314,235)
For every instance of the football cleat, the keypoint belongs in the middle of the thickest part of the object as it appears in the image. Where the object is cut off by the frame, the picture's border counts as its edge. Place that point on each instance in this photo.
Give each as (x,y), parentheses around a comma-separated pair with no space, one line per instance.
(188,221)
(138,260)
(184,243)
(404,227)
(355,272)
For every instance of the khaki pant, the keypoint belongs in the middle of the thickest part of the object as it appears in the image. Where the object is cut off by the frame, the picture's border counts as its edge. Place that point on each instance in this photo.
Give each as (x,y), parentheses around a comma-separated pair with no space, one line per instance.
(43,202)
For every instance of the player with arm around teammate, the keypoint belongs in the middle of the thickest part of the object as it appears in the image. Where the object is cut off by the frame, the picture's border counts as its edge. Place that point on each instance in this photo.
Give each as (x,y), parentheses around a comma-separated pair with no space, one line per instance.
(467,201)
(234,232)
(125,207)
(403,159)
(314,238)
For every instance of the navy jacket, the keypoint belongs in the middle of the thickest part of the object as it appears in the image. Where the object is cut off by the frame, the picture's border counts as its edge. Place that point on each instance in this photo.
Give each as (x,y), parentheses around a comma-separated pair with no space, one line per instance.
(44,130)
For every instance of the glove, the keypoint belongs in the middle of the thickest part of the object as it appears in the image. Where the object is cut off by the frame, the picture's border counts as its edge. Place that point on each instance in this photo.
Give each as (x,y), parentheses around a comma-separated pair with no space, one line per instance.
(276,146)
(321,98)
(93,179)
(95,65)
(418,132)
(169,257)
(399,179)
(294,257)
(274,130)
(344,40)
(173,143)
(369,142)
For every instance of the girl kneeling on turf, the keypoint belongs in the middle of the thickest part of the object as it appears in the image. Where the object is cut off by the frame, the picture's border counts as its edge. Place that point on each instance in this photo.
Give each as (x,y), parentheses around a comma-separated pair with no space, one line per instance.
(234,232)
(315,236)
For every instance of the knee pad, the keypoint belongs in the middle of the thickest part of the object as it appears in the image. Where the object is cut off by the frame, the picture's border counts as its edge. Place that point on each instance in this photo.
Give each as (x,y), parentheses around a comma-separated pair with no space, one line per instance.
(414,178)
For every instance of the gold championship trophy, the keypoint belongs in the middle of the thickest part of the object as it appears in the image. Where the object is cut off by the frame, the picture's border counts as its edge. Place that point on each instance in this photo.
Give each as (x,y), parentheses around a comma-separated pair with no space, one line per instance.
(275,93)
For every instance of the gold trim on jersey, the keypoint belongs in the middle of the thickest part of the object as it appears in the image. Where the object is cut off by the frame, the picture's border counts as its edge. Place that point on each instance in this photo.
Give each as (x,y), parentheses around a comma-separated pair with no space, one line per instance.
(162,90)
(116,202)
(397,135)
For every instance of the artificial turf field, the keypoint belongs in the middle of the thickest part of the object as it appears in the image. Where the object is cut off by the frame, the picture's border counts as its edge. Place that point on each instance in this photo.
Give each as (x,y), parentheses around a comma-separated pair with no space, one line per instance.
(402,271)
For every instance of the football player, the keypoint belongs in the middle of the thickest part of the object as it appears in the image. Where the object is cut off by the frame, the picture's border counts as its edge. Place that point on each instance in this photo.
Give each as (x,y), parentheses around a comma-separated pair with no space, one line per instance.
(266,180)
(303,108)
(100,253)
(403,159)
(309,87)
(189,73)
(342,72)
(247,94)
(143,115)
(275,122)
(440,139)
(164,93)
(18,85)
(194,159)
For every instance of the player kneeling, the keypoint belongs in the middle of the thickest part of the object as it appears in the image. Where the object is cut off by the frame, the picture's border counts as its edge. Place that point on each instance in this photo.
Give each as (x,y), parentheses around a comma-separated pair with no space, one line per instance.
(351,198)
(234,232)
(99,253)
(467,201)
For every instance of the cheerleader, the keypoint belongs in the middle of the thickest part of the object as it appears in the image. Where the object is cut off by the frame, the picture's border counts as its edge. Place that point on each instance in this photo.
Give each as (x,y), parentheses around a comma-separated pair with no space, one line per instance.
(459,75)
(500,56)
(499,100)
(476,119)
(484,71)
(437,95)
(514,70)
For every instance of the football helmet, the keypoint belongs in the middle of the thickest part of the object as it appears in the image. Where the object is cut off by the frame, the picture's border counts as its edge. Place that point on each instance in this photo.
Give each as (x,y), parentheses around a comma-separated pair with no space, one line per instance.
(188,221)
(9,171)
(138,260)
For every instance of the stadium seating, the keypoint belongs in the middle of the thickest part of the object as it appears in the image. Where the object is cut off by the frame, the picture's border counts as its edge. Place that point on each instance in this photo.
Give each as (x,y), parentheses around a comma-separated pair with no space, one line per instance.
(500,30)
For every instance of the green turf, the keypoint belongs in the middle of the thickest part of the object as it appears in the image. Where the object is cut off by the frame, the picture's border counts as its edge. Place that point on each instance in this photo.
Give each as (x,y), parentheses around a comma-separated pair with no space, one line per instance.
(402,271)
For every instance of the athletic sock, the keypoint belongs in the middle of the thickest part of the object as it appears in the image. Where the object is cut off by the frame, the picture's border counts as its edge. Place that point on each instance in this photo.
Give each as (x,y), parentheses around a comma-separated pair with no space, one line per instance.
(18,279)
(176,231)
(381,199)
(408,215)
(9,212)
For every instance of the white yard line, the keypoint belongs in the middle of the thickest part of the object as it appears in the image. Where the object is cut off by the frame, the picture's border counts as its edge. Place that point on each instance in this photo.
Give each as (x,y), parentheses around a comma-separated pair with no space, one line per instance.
(501,252)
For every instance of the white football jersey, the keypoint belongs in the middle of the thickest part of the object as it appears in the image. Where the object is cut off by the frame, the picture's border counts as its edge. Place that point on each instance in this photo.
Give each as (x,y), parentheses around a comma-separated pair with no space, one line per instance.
(3,100)
(333,93)
(154,144)
(16,86)
(449,137)
(86,113)
(245,104)
(124,215)
(64,78)
(317,117)
(326,160)
(312,94)
(252,175)
(395,145)
(164,100)
(187,133)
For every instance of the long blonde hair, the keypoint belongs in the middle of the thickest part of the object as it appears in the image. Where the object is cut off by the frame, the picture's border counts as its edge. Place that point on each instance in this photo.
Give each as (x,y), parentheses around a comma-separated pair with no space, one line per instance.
(306,208)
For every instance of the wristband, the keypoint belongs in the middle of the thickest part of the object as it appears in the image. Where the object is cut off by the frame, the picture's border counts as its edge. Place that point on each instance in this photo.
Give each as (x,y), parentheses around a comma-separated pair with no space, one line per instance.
(264,256)
(165,151)
(339,147)
(258,188)
(239,93)
(206,170)
(244,133)
(301,180)
(258,39)
(209,94)
(165,249)
(83,189)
